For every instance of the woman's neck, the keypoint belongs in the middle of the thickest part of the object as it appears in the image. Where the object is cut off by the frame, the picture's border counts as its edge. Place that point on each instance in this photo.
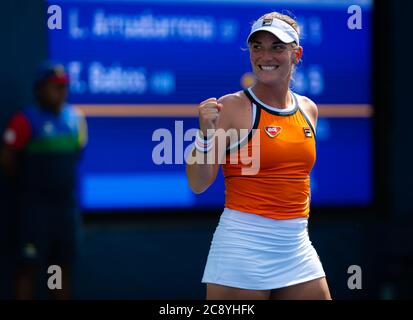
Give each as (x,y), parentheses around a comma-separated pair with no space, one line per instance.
(273,95)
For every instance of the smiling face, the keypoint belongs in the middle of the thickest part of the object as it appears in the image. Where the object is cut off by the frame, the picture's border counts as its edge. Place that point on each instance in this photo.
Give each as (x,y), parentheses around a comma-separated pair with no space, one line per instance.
(272,60)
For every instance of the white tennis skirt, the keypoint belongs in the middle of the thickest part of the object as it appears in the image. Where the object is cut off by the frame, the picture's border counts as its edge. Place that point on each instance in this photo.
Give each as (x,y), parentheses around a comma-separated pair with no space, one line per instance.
(253,252)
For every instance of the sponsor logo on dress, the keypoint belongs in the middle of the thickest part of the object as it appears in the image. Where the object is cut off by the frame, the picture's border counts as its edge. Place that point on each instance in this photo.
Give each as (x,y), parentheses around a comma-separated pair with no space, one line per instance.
(273,131)
(307,132)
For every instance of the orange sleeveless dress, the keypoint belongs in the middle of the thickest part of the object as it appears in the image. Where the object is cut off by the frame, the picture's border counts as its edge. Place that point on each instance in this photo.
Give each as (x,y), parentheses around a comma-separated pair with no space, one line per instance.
(284,141)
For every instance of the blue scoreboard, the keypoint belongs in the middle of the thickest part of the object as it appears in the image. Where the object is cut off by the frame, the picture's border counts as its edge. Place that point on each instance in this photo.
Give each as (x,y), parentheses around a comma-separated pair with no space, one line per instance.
(141,66)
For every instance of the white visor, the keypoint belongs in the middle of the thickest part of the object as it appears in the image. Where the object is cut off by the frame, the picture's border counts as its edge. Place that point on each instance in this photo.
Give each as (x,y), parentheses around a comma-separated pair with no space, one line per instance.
(279,28)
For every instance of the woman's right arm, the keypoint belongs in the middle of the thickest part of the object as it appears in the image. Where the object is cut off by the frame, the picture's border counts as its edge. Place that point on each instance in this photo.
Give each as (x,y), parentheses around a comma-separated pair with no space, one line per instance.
(213,115)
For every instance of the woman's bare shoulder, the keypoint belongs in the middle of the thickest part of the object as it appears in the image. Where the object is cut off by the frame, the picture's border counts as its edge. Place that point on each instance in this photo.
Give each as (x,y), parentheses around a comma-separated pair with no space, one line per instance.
(309,107)
(234,99)
(236,109)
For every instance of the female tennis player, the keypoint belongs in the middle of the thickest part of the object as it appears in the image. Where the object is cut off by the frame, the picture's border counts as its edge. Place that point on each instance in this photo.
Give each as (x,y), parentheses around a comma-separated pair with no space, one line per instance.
(261,247)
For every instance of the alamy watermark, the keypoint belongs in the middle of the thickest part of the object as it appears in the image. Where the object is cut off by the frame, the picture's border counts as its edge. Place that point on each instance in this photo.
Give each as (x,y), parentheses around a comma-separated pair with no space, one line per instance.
(355,20)
(355,280)
(54,282)
(170,149)
(54,20)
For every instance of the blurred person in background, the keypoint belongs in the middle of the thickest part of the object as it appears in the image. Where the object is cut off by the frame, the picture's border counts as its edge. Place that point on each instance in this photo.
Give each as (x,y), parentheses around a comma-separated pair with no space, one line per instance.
(41,148)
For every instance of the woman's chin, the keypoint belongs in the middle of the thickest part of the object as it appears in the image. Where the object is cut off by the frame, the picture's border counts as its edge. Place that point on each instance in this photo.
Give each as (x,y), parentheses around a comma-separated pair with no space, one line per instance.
(269,80)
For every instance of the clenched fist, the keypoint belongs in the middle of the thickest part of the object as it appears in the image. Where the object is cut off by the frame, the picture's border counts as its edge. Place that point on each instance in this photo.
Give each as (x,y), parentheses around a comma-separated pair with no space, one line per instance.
(209,115)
